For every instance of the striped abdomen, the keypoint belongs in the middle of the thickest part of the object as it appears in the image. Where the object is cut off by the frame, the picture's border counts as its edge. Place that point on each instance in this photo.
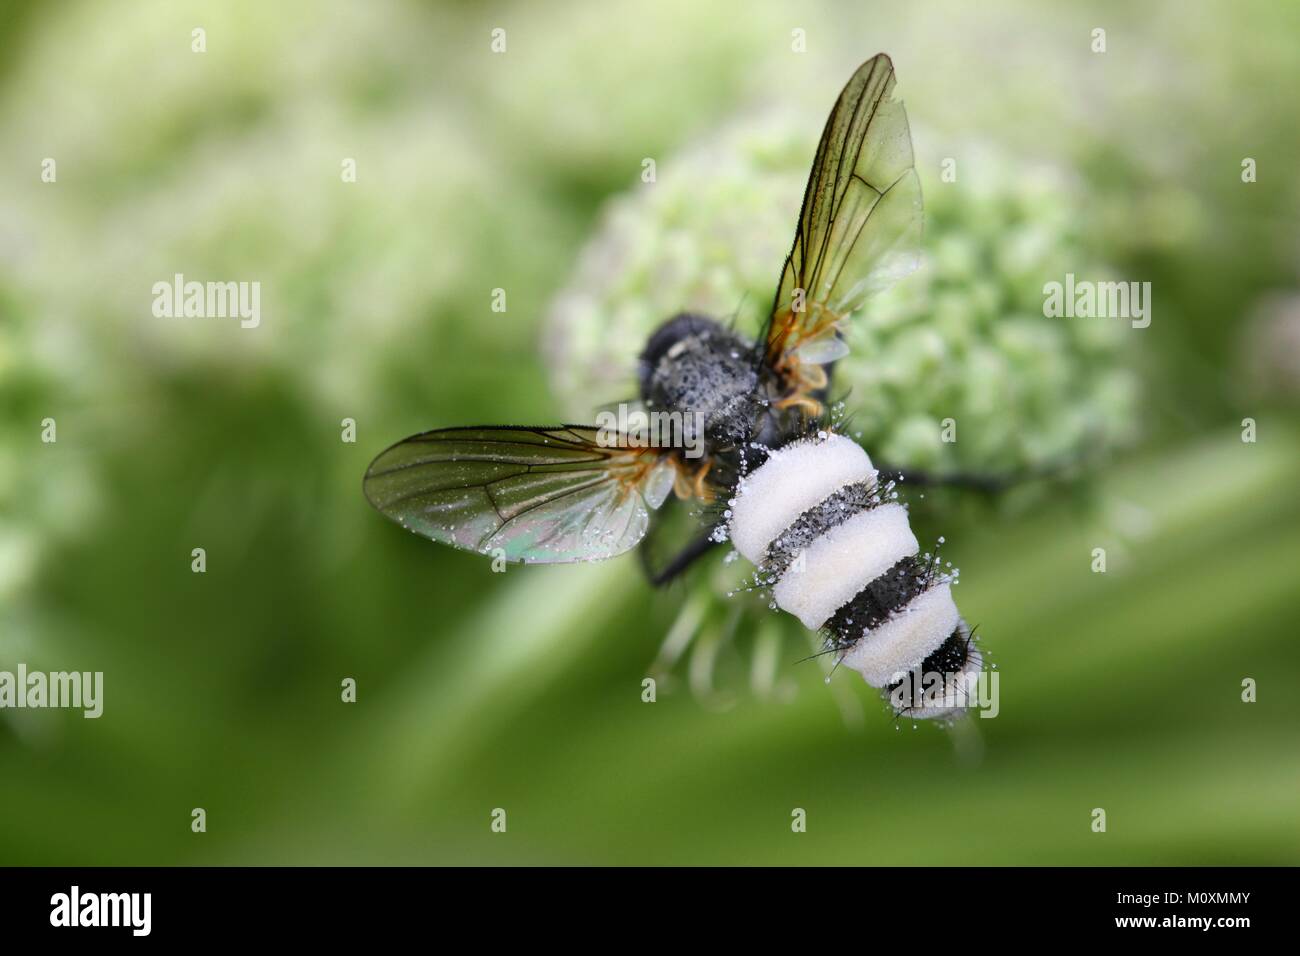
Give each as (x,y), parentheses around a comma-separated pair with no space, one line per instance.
(839,554)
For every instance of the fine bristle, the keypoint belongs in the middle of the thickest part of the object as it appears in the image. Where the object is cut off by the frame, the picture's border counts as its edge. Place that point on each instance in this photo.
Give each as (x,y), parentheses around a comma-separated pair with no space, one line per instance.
(950,656)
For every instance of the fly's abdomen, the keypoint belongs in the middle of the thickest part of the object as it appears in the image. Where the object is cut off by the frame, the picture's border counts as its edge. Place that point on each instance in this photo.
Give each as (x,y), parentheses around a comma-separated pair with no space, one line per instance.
(838,553)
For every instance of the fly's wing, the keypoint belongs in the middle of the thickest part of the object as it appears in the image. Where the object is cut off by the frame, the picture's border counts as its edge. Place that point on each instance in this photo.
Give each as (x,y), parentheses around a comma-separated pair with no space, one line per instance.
(540,495)
(860,225)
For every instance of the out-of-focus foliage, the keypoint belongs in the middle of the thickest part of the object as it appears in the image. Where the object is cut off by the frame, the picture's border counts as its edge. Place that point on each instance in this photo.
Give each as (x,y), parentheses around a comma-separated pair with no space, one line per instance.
(479,171)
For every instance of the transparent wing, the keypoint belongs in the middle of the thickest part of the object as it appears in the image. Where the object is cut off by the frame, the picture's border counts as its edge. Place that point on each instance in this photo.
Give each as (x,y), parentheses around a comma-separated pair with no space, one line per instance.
(860,225)
(541,495)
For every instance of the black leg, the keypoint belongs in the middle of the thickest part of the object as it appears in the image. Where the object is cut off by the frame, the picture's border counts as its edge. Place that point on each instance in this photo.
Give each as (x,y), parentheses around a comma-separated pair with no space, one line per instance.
(684,559)
(915,478)
(985,482)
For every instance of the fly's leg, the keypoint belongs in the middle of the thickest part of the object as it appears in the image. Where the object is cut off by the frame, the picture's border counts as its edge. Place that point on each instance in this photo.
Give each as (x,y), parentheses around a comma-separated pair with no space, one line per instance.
(680,563)
(990,483)
(916,478)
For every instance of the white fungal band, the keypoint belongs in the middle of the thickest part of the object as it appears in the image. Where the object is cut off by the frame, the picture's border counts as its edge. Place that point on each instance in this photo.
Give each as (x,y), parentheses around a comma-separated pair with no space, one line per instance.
(903,642)
(792,480)
(842,562)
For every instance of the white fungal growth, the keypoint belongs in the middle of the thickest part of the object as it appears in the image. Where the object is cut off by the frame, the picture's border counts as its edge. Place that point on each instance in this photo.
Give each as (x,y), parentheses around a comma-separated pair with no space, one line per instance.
(791,481)
(822,573)
(843,561)
(905,640)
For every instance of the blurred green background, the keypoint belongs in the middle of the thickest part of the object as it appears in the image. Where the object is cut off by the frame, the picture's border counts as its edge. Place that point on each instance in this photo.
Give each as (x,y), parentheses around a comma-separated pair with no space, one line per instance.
(522,691)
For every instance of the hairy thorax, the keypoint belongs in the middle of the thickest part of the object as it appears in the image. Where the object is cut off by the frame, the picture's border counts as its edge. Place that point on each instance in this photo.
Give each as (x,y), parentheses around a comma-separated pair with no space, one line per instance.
(695,366)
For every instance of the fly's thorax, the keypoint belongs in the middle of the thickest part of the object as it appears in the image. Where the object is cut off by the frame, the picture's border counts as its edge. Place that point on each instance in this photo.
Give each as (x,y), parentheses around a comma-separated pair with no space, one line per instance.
(694,366)
(840,555)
